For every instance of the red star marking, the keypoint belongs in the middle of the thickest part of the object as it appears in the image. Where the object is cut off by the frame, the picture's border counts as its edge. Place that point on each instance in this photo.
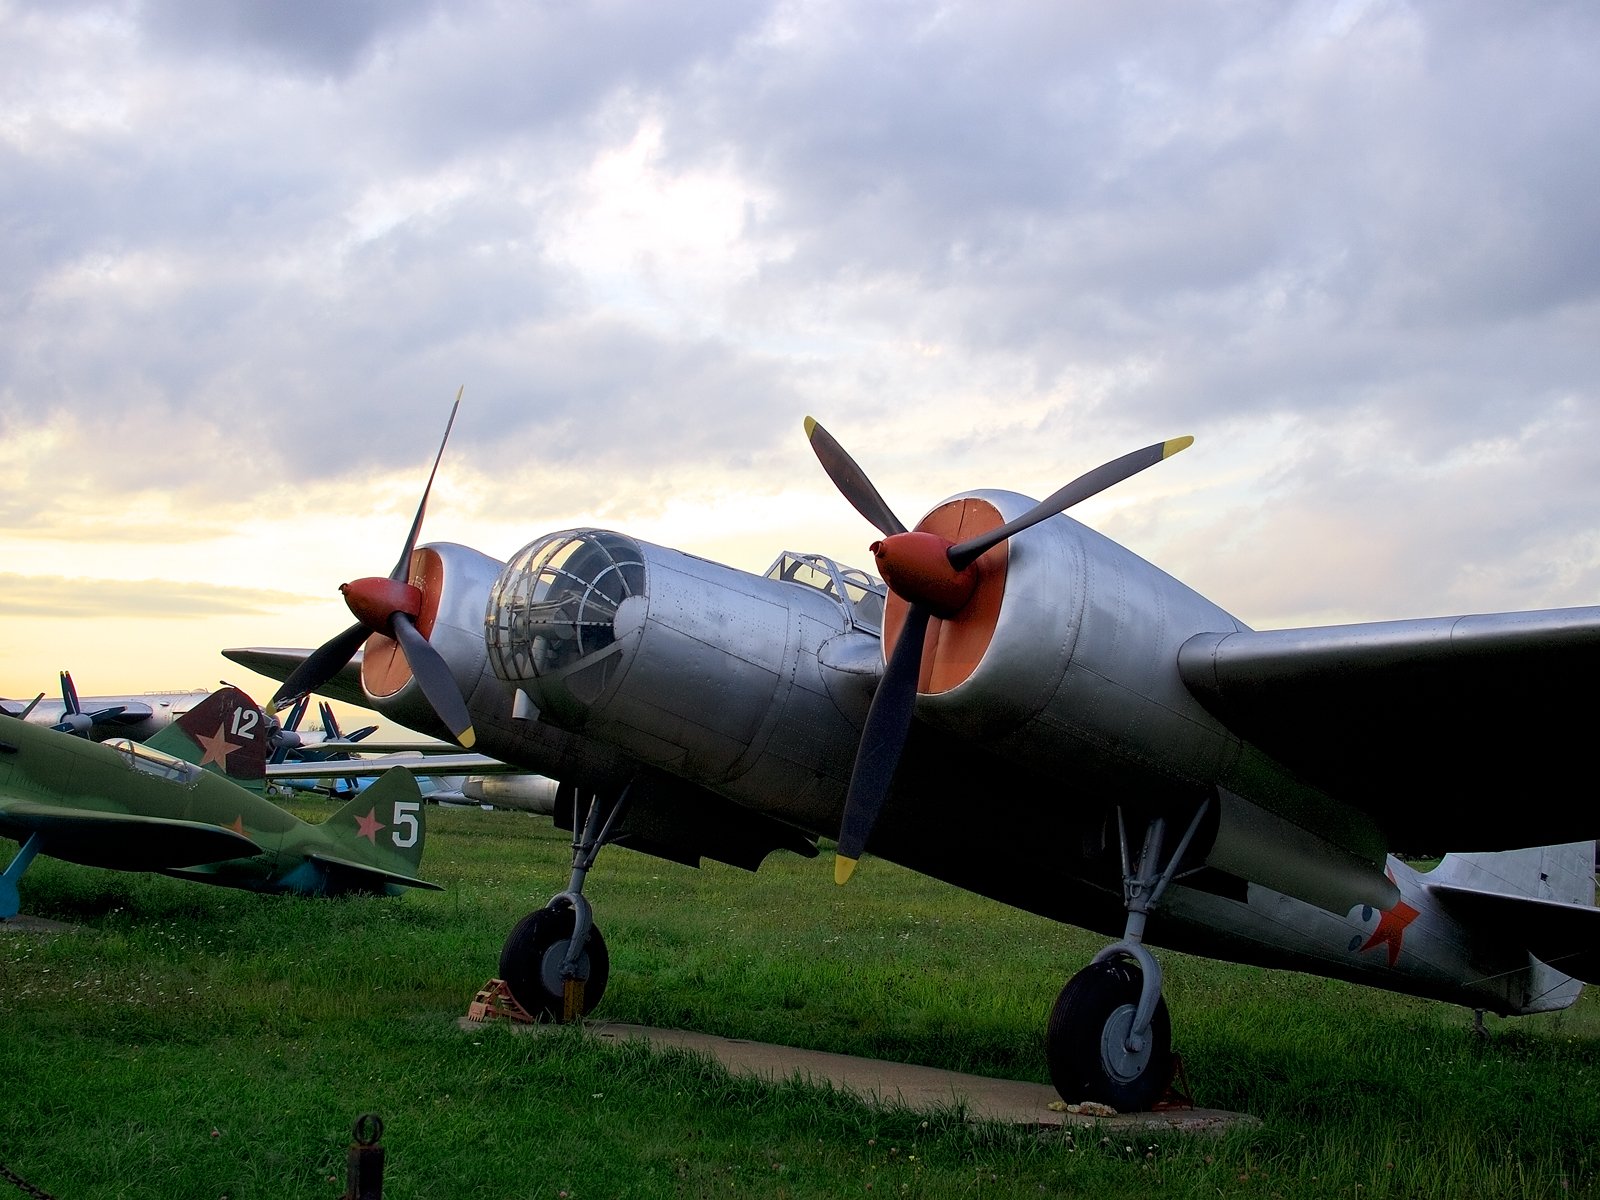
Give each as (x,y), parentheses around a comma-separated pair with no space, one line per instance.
(217,747)
(1391,929)
(238,825)
(369,825)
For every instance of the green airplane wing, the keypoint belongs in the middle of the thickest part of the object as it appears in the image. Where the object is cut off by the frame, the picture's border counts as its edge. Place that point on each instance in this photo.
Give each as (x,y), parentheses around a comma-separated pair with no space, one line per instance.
(127,841)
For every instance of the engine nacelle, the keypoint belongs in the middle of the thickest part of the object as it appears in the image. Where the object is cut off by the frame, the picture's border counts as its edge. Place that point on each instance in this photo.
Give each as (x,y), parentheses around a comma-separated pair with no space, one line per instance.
(755,686)
(454,580)
(1080,678)
(1079,681)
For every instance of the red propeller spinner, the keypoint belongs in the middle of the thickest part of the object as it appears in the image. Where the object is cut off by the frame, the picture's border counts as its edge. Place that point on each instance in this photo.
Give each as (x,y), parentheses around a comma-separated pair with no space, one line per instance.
(391,606)
(937,571)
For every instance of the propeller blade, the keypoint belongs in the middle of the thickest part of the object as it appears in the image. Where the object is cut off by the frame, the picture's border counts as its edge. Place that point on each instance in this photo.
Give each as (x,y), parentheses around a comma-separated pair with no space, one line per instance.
(330,724)
(1081,488)
(433,676)
(321,665)
(69,694)
(32,704)
(402,569)
(888,724)
(285,738)
(851,480)
(388,605)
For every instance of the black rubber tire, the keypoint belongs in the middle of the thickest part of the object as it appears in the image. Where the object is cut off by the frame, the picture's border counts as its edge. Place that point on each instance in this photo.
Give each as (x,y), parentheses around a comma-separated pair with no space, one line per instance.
(1082,1067)
(530,963)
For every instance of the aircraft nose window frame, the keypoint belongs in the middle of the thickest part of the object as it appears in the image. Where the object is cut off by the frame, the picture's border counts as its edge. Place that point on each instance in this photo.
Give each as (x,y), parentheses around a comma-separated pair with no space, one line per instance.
(557,599)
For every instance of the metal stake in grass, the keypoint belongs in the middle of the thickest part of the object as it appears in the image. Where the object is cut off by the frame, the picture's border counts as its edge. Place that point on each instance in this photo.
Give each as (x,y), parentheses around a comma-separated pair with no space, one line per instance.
(364,1160)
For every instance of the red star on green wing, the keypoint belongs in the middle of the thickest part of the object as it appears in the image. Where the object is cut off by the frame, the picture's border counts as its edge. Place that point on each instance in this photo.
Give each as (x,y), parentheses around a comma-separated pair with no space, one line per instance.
(369,825)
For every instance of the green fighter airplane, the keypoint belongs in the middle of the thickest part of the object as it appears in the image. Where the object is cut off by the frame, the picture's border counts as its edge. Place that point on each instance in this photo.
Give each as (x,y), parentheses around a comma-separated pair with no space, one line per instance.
(180,805)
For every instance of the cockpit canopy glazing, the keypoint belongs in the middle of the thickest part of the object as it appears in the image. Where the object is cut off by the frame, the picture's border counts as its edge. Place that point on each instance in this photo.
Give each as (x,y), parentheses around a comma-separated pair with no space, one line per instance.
(556,601)
(859,594)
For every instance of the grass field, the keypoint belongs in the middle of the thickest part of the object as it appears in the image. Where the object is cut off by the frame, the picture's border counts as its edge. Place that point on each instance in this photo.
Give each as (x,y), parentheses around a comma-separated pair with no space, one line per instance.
(187,1041)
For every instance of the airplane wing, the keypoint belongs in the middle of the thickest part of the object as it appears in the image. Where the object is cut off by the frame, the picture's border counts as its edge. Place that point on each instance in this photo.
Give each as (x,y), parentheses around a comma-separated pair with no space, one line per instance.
(416,763)
(370,874)
(277,662)
(1459,730)
(122,840)
(126,713)
(373,746)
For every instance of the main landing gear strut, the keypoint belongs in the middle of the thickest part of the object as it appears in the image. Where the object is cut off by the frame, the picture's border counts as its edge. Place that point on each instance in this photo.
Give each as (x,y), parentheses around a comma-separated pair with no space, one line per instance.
(1110,1038)
(555,962)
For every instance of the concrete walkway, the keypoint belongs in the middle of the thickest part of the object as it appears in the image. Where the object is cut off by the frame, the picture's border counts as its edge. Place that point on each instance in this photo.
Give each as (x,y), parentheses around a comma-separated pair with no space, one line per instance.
(922,1088)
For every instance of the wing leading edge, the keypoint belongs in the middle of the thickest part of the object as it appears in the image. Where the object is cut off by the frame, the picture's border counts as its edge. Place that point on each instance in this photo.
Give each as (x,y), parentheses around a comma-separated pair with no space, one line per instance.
(126,841)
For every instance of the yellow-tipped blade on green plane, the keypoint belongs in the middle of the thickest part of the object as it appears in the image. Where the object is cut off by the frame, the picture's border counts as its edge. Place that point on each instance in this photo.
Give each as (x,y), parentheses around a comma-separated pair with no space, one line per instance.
(175,806)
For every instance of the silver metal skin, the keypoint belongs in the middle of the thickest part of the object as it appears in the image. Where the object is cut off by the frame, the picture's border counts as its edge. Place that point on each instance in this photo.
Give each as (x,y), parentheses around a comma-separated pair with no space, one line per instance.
(458,635)
(148,712)
(1081,684)
(710,673)
(592,657)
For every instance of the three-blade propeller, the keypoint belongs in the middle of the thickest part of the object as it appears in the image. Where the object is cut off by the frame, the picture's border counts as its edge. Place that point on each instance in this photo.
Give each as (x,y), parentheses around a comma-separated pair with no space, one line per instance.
(936,578)
(389,605)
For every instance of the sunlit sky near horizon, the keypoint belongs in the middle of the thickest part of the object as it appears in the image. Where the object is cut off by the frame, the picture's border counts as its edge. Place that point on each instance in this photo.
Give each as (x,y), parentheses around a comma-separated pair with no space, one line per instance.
(250,251)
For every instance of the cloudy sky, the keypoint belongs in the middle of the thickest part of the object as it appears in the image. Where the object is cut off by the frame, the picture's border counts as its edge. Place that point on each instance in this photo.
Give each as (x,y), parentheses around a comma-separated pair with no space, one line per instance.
(250,250)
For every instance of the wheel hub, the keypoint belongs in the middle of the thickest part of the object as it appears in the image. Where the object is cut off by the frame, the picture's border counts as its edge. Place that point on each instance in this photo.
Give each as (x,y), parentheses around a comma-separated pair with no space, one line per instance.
(550,966)
(1122,1064)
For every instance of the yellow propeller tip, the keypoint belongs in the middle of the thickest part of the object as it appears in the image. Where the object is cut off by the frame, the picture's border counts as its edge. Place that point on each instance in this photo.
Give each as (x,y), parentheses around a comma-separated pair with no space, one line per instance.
(468,738)
(811,425)
(843,868)
(271,709)
(1168,449)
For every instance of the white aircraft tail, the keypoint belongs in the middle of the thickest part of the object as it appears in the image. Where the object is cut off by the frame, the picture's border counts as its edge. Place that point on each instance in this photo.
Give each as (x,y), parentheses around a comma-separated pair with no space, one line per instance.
(1543,899)
(1563,874)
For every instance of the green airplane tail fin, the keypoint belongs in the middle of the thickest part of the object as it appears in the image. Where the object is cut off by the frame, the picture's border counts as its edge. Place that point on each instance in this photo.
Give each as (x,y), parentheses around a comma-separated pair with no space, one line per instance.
(384,825)
(224,733)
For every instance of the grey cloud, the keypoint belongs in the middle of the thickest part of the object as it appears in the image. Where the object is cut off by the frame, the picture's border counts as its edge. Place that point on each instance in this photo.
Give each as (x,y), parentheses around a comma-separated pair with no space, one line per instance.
(305,35)
(1192,217)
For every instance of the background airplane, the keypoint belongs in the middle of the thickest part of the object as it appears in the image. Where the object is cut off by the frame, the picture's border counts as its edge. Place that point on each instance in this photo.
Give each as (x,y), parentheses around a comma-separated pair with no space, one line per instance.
(169,806)
(1030,711)
(100,717)
(445,775)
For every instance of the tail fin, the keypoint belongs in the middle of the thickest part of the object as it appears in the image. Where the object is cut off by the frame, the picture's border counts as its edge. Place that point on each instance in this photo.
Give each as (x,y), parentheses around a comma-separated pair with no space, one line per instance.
(1541,898)
(225,733)
(384,826)
(1564,874)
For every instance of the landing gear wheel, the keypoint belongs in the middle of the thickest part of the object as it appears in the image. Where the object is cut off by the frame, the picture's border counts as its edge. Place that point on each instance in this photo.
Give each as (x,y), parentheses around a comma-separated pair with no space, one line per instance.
(530,963)
(1086,1042)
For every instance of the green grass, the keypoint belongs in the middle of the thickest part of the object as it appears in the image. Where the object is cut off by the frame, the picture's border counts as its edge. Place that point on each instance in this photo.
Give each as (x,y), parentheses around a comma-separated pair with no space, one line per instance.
(192,1041)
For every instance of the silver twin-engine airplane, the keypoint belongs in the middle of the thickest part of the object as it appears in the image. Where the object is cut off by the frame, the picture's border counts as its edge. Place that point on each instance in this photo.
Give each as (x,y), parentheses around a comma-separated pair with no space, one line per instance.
(1032,712)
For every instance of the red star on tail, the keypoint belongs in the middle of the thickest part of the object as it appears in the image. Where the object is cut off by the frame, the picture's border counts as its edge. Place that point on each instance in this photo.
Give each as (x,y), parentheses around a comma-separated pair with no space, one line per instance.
(369,825)
(217,747)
